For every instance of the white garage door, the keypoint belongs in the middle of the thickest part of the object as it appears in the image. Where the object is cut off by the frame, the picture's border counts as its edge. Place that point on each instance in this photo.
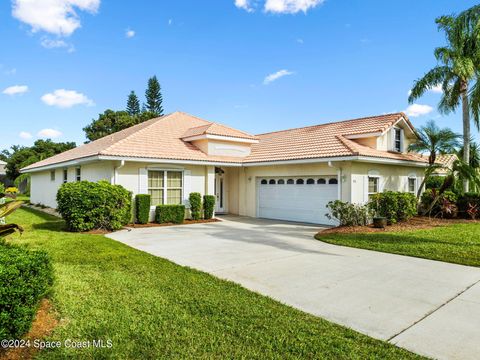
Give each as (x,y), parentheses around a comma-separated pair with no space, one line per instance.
(302,199)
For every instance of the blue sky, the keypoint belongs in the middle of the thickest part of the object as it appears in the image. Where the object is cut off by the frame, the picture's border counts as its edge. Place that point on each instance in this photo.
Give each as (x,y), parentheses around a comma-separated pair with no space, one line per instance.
(64,61)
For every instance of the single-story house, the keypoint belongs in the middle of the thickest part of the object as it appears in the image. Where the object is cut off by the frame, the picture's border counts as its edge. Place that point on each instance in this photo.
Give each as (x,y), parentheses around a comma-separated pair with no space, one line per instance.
(288,175)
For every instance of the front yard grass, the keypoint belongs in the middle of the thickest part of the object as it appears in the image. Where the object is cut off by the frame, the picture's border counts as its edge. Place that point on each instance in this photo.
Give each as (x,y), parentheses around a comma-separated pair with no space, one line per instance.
(151,308)
(459,244)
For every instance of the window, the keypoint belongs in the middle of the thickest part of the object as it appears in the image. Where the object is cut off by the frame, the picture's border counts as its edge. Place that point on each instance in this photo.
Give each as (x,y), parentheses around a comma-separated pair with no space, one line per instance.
(310,181)
(78,174)
(264,182)
(281,182)
(165,187)
(397,146)
(52,175)
(372,185)
(272,182)
(333,181)
(412,185)
(321,181)
(65,175)
(290,182)
(300,181)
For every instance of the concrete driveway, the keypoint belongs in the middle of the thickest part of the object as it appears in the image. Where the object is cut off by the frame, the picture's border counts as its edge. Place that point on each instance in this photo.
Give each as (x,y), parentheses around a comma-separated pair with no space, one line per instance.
(428,307)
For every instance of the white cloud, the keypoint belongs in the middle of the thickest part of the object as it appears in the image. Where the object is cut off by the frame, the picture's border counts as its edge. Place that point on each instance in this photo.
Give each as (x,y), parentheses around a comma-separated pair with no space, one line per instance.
(416,110)
(300,41)
(25,135)
(291,6)
(275,76)
(244,4)
(437,89)
(170,21)
(15,90)
(48,43)
(53,16)
(66,98)
(129,33)
(49,133)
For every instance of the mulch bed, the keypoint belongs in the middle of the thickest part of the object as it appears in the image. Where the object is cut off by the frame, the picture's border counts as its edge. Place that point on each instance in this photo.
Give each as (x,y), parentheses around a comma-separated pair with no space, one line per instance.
(43,324)
(416,223)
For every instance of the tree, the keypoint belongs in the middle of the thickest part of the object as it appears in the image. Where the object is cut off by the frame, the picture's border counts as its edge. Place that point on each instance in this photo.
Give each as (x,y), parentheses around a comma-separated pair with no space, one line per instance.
(434,141)
(133,104)
(457,71)
(112,121)
(154,97)
(20,156)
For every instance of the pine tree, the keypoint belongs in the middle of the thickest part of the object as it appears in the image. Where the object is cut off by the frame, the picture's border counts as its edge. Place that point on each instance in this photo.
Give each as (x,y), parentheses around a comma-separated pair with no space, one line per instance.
(133,104)
(154,98)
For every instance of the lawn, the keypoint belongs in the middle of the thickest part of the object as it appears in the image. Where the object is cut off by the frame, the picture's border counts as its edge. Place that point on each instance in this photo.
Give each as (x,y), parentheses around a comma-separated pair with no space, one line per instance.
(459,244)
(152,308)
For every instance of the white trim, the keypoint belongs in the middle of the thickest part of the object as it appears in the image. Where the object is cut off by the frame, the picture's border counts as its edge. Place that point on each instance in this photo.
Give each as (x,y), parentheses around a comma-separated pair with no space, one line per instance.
(165,184)
(406,123)
(220,137)
(62,164)
(364,135)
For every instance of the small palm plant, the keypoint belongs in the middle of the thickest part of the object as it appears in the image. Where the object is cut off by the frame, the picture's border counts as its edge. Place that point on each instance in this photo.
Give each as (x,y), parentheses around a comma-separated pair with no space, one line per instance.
(434,141)
(5,210)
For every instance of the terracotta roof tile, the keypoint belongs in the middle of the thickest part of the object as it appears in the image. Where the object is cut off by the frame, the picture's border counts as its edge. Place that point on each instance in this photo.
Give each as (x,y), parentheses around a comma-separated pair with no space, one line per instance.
(217,129)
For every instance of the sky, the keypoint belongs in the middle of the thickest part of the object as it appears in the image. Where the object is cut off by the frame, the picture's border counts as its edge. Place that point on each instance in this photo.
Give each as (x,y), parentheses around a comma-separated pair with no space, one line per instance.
(255,65)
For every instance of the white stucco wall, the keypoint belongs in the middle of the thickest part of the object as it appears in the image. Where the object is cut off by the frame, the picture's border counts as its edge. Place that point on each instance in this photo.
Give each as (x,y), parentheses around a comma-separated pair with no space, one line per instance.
(44,191)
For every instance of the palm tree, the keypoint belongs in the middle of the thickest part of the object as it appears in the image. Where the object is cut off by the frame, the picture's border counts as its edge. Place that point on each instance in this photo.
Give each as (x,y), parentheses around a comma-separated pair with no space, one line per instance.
(474,163)
(457,71)
(434,141)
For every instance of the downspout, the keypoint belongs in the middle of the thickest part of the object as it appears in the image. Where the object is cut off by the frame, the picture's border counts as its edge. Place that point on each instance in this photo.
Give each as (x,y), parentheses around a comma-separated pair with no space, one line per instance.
(115,171)
(339,177)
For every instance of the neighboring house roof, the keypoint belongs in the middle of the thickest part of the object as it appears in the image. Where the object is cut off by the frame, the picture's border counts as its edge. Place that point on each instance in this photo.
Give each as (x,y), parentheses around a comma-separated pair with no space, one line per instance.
(327,140)
(217,129)
(446,161)
(161,138)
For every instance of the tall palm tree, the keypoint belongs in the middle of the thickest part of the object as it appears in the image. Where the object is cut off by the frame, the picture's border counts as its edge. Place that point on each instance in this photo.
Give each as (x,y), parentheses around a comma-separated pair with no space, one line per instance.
(457,71)
(474,163)
(434,141)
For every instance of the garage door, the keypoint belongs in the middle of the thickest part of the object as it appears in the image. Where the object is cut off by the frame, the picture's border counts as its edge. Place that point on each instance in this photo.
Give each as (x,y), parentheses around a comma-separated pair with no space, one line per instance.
(302,199)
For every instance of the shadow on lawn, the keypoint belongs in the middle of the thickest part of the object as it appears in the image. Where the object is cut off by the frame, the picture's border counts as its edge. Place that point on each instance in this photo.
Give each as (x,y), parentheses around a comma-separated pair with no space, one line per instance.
(51,223)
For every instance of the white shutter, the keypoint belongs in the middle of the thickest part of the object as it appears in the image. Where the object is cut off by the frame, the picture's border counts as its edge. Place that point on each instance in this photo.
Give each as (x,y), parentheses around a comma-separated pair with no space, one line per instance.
(142,181)
(187,187)
(392,140)
(365,189)
(402,141)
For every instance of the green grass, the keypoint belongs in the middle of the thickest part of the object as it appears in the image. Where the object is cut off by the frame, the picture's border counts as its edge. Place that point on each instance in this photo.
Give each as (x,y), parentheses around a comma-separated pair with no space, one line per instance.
(151,308)
(459,244)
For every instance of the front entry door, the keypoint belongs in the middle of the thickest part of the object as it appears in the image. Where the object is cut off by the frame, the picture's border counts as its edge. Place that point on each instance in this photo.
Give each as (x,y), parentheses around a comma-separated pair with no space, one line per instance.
(220,193)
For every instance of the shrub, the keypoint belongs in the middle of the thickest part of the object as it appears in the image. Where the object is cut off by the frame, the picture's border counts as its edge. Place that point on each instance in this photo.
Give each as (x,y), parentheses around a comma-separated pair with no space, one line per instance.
(170,214)
(429,196)
(348,214)
(434,182)
(468,201)
(393,205)
(208,206)
(195,200)
(2,188)
(26,277)
(142,208)
(87,205)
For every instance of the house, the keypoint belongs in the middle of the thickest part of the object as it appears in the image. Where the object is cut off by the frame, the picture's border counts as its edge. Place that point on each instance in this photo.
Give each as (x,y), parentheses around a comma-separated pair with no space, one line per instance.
(3,172)
(288,175)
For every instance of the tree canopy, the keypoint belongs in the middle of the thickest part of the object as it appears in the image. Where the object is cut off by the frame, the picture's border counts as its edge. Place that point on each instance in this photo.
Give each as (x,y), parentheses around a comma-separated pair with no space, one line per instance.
(153,94)
(20,156)
(133,104)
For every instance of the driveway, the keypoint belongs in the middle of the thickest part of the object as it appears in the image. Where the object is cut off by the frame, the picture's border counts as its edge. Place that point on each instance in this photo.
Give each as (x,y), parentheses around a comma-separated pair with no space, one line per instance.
(429,307)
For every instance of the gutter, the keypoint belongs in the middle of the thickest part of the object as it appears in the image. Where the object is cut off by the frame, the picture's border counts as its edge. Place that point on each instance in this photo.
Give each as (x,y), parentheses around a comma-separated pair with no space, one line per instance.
(115,171)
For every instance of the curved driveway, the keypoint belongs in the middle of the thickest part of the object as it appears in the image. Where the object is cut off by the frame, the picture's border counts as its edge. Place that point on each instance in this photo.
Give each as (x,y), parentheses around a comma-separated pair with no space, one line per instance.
(429,307)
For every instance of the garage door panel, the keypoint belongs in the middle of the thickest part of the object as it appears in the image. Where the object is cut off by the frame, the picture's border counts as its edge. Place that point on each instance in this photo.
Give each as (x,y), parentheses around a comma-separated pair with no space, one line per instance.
(296,202)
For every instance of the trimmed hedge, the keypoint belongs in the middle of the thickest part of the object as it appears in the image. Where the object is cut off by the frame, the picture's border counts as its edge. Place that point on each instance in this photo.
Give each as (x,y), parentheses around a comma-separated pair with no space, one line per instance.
(195,200)
(142,208)
(393,205)
(87,205)
(170,214)
(25,277)
(465,199)
(208,206)
(348,214)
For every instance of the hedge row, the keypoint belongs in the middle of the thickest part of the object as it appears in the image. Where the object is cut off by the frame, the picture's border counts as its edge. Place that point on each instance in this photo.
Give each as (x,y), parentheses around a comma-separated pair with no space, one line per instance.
(25,277)
(170,214)
(395,206)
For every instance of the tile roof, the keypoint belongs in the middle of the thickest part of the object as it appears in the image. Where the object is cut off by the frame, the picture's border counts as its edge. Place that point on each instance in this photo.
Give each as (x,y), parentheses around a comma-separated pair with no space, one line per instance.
(161,138)
(219,130)
(327,140)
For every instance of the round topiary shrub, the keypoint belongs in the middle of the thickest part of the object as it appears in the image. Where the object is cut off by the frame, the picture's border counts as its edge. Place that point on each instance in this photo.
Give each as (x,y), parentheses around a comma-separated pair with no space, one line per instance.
(87,205)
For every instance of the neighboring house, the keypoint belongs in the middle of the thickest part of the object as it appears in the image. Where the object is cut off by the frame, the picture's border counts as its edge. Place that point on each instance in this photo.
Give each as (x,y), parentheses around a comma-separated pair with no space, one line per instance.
(446,161)
(288,175)
(3,173)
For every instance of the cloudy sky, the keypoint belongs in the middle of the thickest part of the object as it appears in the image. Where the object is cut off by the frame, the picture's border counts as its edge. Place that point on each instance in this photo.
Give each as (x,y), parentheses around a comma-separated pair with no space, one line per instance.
(257,65)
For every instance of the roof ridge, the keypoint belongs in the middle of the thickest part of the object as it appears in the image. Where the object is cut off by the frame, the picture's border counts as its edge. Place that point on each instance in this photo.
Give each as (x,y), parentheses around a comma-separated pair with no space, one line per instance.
(157,119)
(334,122)
(347,144)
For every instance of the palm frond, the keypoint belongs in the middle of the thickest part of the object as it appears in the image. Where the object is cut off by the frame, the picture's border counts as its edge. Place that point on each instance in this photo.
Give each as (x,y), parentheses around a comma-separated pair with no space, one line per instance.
(429,80)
